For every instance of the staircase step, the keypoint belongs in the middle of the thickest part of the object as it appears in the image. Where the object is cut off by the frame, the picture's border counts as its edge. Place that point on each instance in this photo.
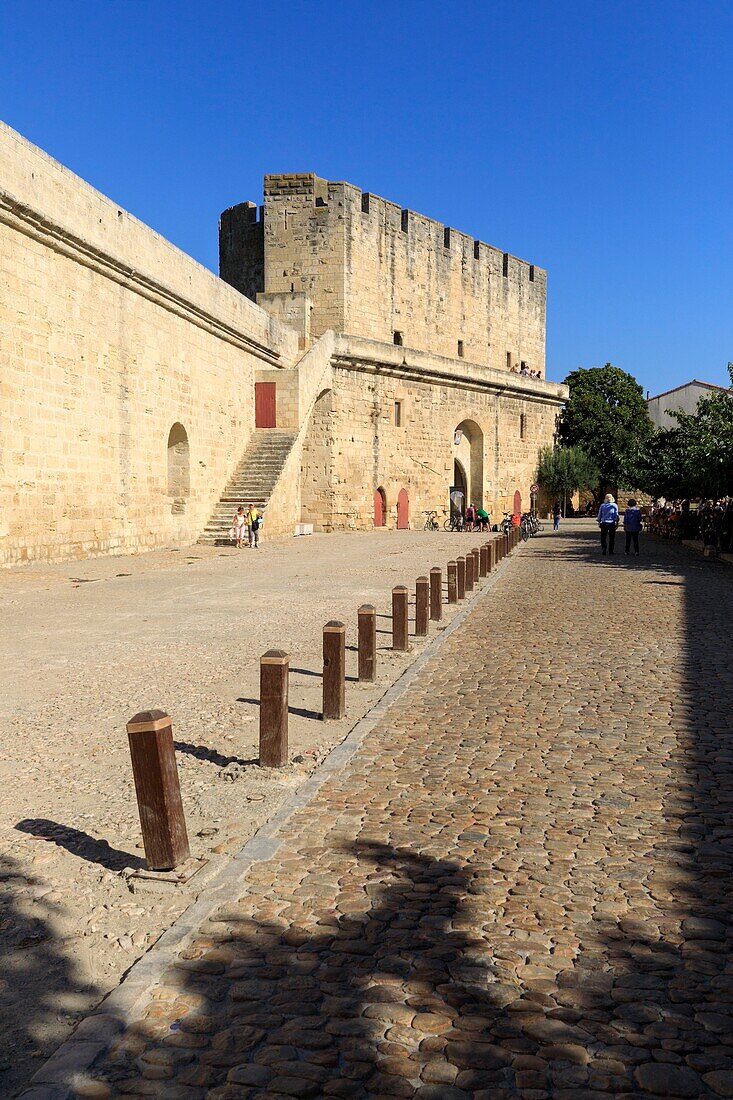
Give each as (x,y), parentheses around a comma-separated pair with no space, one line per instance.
(252,482)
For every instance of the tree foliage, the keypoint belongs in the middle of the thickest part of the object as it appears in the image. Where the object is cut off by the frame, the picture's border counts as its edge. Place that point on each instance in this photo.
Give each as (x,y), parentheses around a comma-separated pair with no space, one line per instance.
(606,415)
(695,458)
(562,470)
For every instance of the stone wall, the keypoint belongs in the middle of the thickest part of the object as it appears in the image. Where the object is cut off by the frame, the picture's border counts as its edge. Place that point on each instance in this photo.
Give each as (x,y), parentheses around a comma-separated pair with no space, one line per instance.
(110,337)
(373,269)
(358,447)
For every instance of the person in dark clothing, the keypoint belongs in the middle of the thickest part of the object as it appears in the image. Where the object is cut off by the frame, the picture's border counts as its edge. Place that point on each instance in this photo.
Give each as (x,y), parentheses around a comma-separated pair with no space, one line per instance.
(632,525)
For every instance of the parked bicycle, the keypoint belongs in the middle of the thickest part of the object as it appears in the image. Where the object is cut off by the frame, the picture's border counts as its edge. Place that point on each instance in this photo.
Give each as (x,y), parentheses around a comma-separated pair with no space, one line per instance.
(529,526)
(454,522)
(431,522)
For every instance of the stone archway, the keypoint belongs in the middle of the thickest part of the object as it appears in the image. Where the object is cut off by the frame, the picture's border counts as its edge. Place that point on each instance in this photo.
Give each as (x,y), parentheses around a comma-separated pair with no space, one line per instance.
(179,468)
(460,482)
(468,453)
(316,480)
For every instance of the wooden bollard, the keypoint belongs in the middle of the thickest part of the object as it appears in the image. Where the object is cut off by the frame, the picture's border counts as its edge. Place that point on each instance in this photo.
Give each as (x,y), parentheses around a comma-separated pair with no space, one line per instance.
(452,582)
(158,791)
(334,670)
(469,572)
(461,577)
(436,594)
(492,556)
(476,564)
(422,599)
(484,560)
(400,635)
(367,634)
(274,669)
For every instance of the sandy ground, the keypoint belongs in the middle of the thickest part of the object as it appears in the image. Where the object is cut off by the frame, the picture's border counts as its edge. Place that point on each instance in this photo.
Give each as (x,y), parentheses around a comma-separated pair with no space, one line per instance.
(84,646)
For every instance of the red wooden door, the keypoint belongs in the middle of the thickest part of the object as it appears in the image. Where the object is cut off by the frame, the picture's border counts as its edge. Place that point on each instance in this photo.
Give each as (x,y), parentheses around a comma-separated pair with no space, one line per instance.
(379,508)
(265,405)
(517,503)
(403,510)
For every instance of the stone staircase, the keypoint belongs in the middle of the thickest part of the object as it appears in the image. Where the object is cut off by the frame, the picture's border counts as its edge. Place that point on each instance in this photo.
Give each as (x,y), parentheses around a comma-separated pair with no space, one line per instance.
(252,482)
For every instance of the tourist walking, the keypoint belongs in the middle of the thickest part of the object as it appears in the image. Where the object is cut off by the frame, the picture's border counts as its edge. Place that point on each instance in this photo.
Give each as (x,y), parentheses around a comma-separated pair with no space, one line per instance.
(608,518)
(556,513)
(254,522)
(238,525)
(632,525)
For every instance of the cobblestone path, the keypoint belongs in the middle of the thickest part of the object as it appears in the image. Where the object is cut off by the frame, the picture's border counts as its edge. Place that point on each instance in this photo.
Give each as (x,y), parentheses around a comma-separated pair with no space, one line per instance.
(520,885)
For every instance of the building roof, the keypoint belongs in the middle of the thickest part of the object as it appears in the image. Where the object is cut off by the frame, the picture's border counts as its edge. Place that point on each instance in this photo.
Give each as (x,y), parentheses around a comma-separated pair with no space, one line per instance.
(685,385)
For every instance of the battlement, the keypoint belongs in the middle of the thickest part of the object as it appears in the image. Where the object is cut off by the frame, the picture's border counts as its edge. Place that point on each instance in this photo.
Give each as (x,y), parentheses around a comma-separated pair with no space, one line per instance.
(373,268)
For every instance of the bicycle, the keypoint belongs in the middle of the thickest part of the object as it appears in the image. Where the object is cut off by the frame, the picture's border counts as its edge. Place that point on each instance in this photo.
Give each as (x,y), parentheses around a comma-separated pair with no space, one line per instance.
(431,523)
(453,523)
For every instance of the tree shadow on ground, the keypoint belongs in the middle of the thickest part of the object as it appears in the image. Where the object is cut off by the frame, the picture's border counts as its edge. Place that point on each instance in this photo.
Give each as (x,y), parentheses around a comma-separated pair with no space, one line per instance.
(32,963)
(300,1006)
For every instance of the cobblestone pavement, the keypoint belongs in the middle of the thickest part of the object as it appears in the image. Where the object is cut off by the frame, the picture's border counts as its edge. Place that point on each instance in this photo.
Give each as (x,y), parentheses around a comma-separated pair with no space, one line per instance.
(519,886)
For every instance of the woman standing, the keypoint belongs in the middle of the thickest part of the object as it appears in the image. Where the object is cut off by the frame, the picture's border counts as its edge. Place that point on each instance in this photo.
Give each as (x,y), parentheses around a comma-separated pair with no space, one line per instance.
(632,525)
(238,525)
(556,513)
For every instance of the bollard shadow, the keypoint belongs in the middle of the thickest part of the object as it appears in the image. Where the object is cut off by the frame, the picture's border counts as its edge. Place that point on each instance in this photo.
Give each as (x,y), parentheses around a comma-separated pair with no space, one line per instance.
(80,844)
(41,989)
(212,756)
(301,712)
(319,675)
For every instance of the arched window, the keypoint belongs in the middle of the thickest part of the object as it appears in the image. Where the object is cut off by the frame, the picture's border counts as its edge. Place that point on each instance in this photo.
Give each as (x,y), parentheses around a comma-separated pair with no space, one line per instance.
(179,468)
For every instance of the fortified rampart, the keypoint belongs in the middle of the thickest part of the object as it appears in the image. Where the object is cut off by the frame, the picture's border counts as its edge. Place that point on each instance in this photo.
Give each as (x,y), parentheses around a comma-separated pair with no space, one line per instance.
(373,269)
(142,397)
(126,371)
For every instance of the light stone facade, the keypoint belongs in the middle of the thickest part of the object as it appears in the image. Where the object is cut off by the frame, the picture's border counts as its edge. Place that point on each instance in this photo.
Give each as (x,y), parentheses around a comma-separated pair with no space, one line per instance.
(128,371)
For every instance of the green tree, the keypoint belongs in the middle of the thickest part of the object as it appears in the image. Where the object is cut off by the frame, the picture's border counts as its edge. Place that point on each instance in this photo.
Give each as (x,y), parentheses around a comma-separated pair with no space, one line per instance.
(562,470)
(606,415)
(696,457)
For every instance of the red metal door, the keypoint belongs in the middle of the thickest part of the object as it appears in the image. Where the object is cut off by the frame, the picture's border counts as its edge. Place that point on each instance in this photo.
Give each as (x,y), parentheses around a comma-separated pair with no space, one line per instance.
(265,405)
(403,510)
(379,508)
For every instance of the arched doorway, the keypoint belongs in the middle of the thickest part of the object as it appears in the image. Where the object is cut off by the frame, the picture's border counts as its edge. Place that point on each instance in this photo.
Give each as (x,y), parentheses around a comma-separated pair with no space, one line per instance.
(403,510)
(468,452)
(316,463)
(460,482)
(380,507)
(179,468)
(517,503)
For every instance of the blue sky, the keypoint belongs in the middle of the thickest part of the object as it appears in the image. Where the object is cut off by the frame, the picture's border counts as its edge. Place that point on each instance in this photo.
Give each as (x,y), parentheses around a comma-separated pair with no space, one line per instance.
(591,138)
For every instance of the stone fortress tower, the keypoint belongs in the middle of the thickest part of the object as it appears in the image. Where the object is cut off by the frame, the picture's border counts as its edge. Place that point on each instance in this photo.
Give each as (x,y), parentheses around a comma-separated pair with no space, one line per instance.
(354,362)
(432,329)
(372,269)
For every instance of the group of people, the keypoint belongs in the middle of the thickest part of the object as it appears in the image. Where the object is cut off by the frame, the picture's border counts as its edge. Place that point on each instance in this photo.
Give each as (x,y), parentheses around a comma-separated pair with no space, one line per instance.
(476,519)
(609,518)
(710,520)
(526,372)
(245,529)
